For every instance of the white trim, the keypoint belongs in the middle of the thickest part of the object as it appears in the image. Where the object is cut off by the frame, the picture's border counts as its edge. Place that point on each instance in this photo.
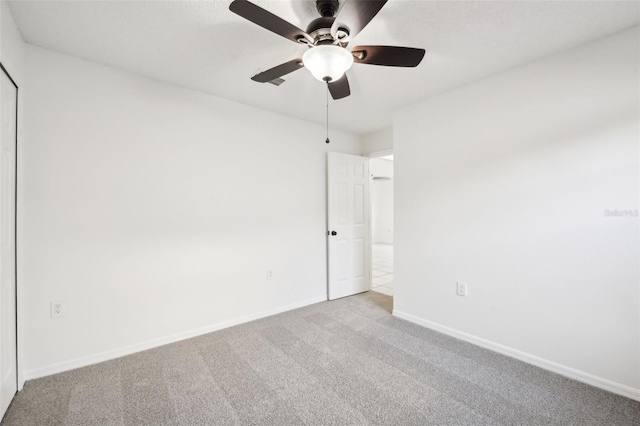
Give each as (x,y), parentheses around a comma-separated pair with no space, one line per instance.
(572,373)
(154,343)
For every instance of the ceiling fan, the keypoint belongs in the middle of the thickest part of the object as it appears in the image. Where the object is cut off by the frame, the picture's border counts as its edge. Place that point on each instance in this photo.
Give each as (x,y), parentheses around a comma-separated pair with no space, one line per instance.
(327,38)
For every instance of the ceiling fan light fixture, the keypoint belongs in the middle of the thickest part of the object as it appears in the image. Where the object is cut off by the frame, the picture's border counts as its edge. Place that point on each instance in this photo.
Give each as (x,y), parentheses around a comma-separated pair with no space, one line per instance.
(327,62)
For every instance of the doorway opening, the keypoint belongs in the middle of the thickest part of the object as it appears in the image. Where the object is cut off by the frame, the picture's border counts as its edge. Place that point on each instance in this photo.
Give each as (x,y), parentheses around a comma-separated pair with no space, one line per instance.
(381,196)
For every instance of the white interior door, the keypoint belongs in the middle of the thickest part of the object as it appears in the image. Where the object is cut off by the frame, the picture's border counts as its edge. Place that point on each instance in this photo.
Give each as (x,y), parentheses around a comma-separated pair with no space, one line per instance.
(349,234)
(8,360)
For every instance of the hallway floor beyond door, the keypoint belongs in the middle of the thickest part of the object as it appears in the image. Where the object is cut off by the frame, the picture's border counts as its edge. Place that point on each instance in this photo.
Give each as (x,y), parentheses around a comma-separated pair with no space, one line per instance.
(382,268)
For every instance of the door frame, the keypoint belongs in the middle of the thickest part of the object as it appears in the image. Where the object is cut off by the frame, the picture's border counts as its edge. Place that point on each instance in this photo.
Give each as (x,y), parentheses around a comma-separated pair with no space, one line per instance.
(370,155)
(15,218)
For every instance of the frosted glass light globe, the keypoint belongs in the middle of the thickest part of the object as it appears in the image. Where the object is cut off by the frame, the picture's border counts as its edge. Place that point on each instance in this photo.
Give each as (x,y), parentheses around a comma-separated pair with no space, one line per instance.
(327,62)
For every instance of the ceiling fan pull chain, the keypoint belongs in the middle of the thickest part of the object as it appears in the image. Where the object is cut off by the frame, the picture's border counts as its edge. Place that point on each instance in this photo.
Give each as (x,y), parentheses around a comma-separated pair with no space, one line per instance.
(327,141)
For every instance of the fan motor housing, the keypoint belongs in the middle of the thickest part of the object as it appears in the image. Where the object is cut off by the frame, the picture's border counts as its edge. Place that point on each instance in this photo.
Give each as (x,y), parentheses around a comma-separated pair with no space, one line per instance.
(320,28)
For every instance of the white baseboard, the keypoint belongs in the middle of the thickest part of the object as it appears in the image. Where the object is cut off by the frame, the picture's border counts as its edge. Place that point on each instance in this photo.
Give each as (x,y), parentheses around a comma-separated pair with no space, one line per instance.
(154,343)
(572,373)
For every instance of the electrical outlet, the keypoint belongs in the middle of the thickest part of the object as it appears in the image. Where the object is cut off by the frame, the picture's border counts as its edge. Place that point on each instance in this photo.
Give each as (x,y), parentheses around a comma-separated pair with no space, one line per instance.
(461,288)
(57,309)
(269,274)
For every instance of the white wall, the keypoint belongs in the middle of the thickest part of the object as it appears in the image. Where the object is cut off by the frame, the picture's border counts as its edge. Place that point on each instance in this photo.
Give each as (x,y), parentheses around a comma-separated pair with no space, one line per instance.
(379,141)
(504,184)
(11,44)
(381,201)
(153,212)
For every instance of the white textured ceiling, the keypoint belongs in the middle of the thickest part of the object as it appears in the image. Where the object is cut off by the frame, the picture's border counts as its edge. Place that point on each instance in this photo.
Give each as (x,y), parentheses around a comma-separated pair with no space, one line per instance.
(203,46)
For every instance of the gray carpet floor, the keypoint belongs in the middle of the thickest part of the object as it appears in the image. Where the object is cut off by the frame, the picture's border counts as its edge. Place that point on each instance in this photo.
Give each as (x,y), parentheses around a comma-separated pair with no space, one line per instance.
(345,362)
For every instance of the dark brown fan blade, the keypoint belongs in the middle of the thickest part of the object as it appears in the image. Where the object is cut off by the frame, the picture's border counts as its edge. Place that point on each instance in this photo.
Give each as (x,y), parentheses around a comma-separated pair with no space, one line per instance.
(340,88)
(268,20)
(391,56)
(355,15)
(278,71)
